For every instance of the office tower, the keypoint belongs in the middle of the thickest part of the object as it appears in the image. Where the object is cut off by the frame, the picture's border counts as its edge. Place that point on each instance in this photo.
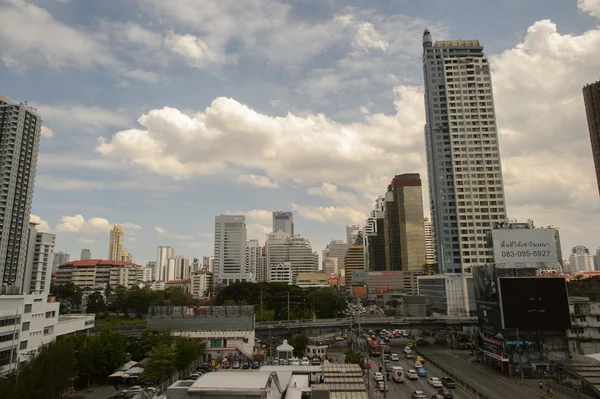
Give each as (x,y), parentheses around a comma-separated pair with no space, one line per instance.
(591,98)
(20,127)
(230,249)
(580,260)
(60,258)
(283,221)
(354,260)
(115,245)
(163,253)
(126,256)
(330,266)
(296,250)
(336,249)
(148,273)
(86,254)
(463,159)
(252,255)
(182,268)
(374,241)
(208,263)
(351,234)
(262,267)
(38,267)
(429,243)
(281,273)
(403,225)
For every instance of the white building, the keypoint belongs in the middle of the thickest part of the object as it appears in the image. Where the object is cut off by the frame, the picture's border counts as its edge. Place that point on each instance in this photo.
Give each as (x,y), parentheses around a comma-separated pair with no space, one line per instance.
(28,322)
(230,249)
(283,221)
(158,286)
(252,256)
(163,254)
(430,257)
(281,273)
(584,335)
(201,284)
(93,272)
(262,268)
(60,258)
(296,250)
(313,280)
(580,260)
(208,263)
(38,267)
(448,294)
(86,254)
(466,187)
(148,272)
(351,234)
(336,249)
(181,268)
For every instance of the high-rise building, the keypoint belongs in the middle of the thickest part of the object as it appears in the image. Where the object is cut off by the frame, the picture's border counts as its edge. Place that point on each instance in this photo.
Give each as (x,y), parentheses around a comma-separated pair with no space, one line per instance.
(580,260)
(163,254)
(374,241)
(283,221)
(86,254)
(466,188)
(38,269)
(296,250)
(230,249)
(20,127)
(252,256)
(351,234)
(170,270)
(354,260)
(336,249)
(115,244)
(148,273)
(281,273)
(126,256)
(60,258)
(430,258)
(591,98)
(262,267)
(207,263)
(181,268)
(403,226)
(330,266)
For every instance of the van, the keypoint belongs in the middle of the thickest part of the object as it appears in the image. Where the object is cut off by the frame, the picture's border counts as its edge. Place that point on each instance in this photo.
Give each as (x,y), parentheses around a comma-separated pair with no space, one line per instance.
(398,373)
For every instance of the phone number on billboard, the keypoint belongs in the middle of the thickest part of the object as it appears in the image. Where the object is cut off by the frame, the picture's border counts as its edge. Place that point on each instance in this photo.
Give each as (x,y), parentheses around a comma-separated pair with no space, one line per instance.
(512,254)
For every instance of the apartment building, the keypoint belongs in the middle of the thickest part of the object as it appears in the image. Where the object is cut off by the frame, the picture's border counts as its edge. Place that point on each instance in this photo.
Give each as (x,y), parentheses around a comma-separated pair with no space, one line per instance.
(89,273)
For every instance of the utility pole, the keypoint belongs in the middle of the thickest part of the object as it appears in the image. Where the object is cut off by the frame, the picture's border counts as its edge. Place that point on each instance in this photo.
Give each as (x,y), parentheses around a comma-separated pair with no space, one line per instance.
(288,307)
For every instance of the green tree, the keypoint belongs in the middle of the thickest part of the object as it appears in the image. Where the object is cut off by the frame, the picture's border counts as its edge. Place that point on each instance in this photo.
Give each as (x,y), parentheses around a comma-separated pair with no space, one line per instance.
(352,357)
(188,350)
(161,365)
(95,303)
(299,342)
(266,315)
(390,312)
(152,337)
(69,295)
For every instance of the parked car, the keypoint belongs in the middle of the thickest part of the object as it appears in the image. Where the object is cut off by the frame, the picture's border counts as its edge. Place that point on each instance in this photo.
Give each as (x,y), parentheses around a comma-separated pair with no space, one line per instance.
(194,376)
(295,361)
(255,364)
(236,365)
(418,395)
(316,361)
(448,382)
(410,355)
(305,362)
(276,362)
(412,375)
(434,382)
(246,365)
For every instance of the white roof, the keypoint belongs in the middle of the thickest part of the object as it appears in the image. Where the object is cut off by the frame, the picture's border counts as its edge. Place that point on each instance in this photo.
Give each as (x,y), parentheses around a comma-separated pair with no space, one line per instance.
(285,347)
(230,381)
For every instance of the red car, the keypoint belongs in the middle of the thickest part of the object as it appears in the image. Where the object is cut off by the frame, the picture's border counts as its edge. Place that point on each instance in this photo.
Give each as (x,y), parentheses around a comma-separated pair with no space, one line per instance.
(367,365)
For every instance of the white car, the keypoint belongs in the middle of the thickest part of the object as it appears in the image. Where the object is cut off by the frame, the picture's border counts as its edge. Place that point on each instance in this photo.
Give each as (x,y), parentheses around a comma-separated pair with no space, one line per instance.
(395,357)
(417,364)
(305,362)
(407,349)
(378,376)
(434,382)
(412,375)
(295,361)
(418,395)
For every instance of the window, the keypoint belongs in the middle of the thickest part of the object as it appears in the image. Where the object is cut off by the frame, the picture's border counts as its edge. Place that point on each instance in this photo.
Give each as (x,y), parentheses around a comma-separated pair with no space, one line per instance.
(25,326)
(23,345)
(50,315)
(28,308)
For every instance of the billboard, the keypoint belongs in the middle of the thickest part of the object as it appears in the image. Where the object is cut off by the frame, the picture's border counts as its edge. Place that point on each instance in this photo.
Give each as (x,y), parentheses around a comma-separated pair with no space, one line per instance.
(358,276)
(524,247)
(485,285)
(535,303)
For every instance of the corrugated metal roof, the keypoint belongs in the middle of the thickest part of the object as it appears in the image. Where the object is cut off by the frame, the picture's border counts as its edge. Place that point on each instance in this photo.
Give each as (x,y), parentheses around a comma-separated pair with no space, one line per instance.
(231,381)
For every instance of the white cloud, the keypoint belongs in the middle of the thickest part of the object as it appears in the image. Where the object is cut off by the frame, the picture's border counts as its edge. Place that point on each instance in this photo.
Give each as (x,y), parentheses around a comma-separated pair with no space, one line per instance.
(47,132)
(367,38)
(78,224)
(160,230)
(340,215)
(257,181)
(257,231)
(43,225)
(131,226)
(165,232)
(260,216)
(198,52)
(85,240)
(590,6)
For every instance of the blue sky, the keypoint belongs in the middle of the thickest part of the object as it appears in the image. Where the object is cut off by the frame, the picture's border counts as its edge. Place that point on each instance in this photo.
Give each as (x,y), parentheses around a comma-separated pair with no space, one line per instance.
(162,114)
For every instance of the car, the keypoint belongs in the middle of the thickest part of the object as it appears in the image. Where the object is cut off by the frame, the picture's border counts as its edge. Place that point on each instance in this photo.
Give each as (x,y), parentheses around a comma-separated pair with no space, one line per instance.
(420,359)
(434,382)
(395,357)
(340,338)
(315,361)
(417,364)
(444,393)
(378,376)
(422,372)
(410,355)
(448,382)
(276,362)
(246,365)
(305,362)
(295,361)
(255,364)
(235,365)
(388,367)
(381,386)
(367,364)
(194,376)
(418,395)
(284,362)
(407,349)
(422,342)
(412,375)
(135,388)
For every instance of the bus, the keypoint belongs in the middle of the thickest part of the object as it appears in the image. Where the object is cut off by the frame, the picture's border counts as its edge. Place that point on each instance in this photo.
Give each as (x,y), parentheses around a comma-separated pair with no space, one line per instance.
(374,348)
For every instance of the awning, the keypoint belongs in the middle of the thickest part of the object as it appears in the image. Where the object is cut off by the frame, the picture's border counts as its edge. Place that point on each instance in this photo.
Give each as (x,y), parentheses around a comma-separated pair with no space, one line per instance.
(526,365)
(116,374)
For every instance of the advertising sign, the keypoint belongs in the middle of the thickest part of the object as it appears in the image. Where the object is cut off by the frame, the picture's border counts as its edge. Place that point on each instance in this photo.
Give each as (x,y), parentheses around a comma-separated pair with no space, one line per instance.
(383,288)
(485,285)
(358,276)
(524,247)
(535,303)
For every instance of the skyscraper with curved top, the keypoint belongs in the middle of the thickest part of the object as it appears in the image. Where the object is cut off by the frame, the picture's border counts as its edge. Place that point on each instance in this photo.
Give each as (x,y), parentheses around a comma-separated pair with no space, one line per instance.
(115,245)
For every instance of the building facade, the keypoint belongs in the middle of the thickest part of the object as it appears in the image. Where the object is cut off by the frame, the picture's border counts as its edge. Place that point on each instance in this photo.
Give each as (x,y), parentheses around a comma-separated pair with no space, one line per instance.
(86,254)
(262,266)
(591,98)
(283,221)
(230,249)
(115,243)
(354,260)
(202,281)
(38,267)
(20,128)
(430,257)
(351,234)
(60,258)
(182,268)
(184,285)
(374,238)
(163,254)
(93,272)
(448,294)
(466,188)
(126,256)
(336,249)
(313,280)
(253,252)
(580,260)
(297,250)
(281,273)
(584,335)
(383,286)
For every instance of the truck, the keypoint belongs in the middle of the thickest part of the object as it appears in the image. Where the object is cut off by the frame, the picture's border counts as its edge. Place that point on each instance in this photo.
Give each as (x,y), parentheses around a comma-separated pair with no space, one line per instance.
(398,373)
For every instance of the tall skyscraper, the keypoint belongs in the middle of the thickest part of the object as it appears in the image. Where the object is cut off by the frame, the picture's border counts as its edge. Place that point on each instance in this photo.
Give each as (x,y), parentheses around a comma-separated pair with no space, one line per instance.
(20,127)
(351,234)
(404,230)
(336,249)
(86,254)
(252,256)
(60,258)
(38,269)
(374,241)
(126,256)
(115,244)
(163,254)
(591,98)
(354,260)
(230,249)
(283,221)
(580,260)
(296,250)
(466,188)
(429,243)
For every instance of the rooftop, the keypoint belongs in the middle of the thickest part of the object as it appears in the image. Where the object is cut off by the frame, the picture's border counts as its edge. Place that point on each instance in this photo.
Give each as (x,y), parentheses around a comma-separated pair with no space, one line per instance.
(244,381)
(98,262)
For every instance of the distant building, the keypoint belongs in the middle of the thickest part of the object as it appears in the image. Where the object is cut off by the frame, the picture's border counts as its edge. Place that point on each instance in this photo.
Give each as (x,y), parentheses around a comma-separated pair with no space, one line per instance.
(207,263)
(330,266)
(38,266)
(93,272)
(351,234)
(115,244)
(313,280)
(251,258)
(580,260)
(202,283)
(448,294)
(430,257)
(148,271)
(60,258)
(126,256)
(296,250)
(383,286)
(584,335)
(336,249)
(230,250)
(283,221)
(281,273)
(374,239)
(158,286)
(181,268)
(262,266)
(184,285)
(591,98)
(354,260)
(86,254)
(163,254)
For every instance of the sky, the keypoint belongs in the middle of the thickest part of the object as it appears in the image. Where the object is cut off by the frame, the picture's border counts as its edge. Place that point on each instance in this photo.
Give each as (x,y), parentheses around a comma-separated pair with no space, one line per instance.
(160,114)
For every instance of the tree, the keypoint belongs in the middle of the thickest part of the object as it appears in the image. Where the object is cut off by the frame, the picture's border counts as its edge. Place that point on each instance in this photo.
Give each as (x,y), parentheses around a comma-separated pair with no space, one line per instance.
(299,342)
(393,303)
(354,358)
(95,303)
(69,295)
(162,364)
(390,312)
(188,350)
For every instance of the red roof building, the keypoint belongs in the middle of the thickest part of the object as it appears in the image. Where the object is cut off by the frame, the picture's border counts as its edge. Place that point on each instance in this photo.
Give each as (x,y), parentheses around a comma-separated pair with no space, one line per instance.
(92,272)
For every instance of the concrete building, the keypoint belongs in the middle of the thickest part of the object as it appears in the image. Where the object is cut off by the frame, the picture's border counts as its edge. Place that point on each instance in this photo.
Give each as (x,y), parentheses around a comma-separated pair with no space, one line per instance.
(86,254)
(60,258)
(115,243)
(281,273)
(38,267)
(331,267)
(181,268)
(27,322)
(163,254)
(262,266)
(354,260)
(591,98)
(202,282)
(126,256)
(253,252)
(336,249)
(148,271)
(466,188)
(313,280)
(351,234)
(374,240)
(208,263)
(158,286)
(403,228)
(430,257)
(580,260)
(230,250)
(20,127)
(383,286)
(584,335)
(183,285)
(283,221)
(296,250)
(448,294)
(93,272)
